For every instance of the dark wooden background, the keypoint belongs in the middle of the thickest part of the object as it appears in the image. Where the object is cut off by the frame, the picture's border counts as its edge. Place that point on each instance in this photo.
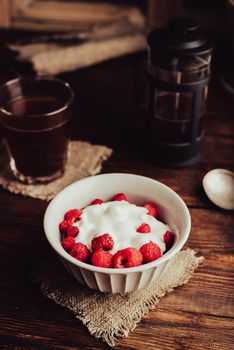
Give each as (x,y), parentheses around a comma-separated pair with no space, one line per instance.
(196,316)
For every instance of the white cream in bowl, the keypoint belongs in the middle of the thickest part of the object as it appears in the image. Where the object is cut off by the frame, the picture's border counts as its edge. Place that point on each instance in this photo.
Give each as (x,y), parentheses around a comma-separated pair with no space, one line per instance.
(120,220)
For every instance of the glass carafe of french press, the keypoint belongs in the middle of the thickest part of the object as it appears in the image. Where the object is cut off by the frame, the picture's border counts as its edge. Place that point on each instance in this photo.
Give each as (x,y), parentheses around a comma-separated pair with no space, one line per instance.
(179,57)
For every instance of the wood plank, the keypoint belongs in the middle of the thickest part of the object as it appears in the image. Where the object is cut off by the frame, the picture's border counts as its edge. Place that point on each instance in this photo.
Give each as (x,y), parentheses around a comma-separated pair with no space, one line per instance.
(187,331)
(219,123)
(52,333)
(180,331)
(187,182)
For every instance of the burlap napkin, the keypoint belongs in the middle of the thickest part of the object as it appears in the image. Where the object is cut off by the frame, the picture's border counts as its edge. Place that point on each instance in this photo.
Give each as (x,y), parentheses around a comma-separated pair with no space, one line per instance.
(84,159)
(52,58)
(109,317)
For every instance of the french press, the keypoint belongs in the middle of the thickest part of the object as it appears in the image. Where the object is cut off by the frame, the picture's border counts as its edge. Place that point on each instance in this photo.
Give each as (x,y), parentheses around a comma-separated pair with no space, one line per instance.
(179,57)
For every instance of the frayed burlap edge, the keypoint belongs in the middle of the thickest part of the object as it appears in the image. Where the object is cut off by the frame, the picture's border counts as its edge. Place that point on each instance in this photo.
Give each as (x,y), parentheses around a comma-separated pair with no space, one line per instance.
(110,317)
(84,159)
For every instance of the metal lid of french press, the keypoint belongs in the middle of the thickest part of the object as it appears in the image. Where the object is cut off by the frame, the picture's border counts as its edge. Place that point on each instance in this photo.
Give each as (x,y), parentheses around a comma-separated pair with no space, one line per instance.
(180,36)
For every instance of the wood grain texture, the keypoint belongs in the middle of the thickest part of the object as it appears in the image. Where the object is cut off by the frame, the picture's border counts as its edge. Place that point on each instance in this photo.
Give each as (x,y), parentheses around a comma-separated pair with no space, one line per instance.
(197,316)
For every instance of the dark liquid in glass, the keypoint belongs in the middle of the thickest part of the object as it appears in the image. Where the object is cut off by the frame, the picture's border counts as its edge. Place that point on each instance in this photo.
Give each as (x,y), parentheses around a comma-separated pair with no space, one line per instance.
(38,143)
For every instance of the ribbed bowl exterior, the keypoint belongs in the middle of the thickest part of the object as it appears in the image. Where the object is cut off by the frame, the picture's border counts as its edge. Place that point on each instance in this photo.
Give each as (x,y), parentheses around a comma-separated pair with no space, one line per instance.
(116,283)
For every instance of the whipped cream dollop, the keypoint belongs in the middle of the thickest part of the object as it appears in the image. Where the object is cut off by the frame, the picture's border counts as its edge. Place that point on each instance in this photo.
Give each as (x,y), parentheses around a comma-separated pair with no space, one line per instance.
(120,219)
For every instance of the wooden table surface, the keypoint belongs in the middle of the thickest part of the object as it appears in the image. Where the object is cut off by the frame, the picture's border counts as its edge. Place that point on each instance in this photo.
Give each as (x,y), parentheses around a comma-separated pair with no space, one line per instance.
(196,316)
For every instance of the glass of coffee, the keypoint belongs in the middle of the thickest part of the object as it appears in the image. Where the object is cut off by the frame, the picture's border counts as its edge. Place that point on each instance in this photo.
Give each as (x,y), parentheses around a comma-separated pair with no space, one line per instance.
(35,119)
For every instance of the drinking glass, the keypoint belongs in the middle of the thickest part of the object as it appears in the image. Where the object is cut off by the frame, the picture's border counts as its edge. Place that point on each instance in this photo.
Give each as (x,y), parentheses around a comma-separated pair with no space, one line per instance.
(34,116)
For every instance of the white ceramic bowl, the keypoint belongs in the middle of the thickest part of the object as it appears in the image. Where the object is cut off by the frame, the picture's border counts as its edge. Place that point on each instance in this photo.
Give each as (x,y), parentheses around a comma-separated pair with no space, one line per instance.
(139,189)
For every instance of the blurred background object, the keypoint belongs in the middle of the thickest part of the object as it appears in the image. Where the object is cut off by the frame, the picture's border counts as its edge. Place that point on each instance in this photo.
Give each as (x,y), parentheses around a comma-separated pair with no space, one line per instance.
(61,15)
(54,54)
(66,15)
(78,34)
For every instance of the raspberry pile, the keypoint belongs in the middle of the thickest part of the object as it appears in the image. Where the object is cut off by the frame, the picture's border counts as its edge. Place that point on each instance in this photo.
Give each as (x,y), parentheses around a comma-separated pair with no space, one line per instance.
(99,251)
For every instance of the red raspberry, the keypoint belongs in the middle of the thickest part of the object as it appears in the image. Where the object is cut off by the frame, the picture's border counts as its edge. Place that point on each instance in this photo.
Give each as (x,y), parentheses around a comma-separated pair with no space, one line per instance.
(73,215)
(80,252)
(120,197)
(151,209)
(144,228)
(97,201)
(128,257)
(168,238)
(150,252)
(103,242)
(68,243)
(102,258)
(72,231)
(64,226)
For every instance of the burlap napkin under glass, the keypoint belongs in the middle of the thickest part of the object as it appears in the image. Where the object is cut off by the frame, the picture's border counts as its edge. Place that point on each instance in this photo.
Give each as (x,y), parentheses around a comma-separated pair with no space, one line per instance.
(110,317)
(84,159)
